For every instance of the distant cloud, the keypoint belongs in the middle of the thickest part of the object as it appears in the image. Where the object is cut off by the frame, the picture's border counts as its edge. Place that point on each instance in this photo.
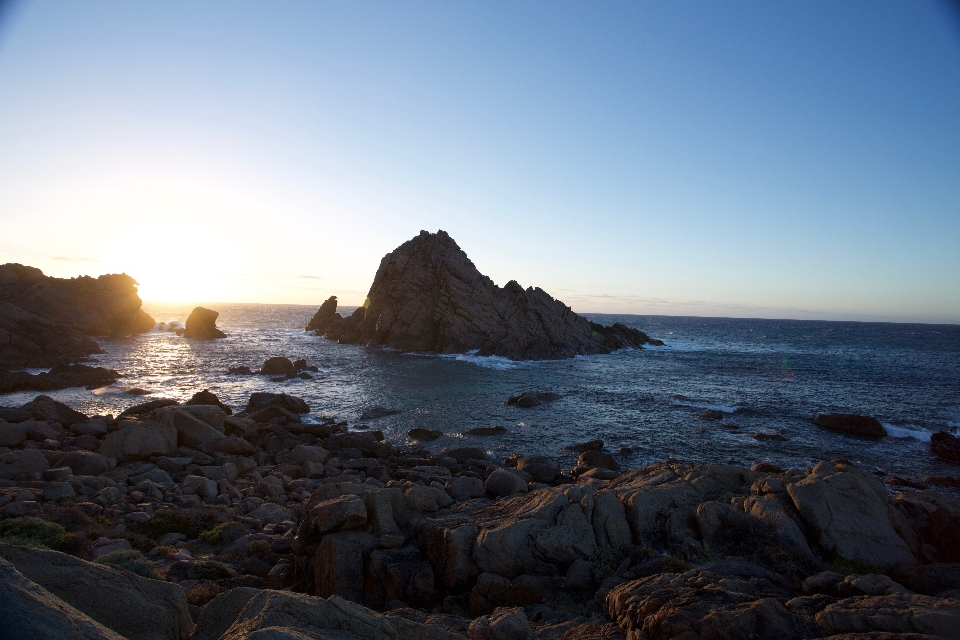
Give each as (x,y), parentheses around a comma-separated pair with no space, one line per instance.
(72,259)
(587,282)
(311,277)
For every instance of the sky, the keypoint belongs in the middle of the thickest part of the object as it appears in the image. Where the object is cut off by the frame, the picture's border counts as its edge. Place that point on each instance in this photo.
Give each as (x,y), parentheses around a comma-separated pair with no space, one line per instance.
(797,159)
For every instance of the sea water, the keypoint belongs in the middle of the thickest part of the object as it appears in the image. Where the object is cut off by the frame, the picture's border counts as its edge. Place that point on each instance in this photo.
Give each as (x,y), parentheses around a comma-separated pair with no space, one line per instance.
(765,377)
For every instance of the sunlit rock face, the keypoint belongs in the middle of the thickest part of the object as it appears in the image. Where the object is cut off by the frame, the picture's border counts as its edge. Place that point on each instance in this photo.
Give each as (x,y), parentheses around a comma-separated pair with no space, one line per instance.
(428,296)
(46,321)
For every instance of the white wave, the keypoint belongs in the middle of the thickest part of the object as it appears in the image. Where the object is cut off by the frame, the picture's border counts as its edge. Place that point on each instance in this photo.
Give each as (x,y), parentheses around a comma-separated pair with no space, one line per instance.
(907,431)
(725,408)
(490,362)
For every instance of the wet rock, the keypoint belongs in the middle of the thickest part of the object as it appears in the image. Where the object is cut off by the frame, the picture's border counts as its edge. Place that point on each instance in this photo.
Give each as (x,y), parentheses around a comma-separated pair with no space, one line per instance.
(487,431)
(541,468)
(462,454)
(278,366)
(503,483)
(419,433)
(946,446)
(137,608)
(207,398)
(147,407)
(59,377)
(202,325)
(598,459)
(377,412)
(263,400)
(851,423)
(710,414)
(241,370)
(581,447)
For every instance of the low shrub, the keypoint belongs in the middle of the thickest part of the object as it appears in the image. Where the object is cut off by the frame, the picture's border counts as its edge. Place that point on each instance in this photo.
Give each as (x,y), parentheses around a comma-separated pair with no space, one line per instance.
(224,533)
(849,567)
(30,531)
(213,570)
(131,560)
(203,593)
(190,522)
(259,548)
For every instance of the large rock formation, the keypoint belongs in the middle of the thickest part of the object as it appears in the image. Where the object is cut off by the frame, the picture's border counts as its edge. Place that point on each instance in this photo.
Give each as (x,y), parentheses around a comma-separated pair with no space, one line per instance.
(428,296)
(202,325)
(46,321)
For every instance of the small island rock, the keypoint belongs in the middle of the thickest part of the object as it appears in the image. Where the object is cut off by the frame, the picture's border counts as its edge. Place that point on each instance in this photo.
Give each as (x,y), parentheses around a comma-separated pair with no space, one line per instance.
(202,324)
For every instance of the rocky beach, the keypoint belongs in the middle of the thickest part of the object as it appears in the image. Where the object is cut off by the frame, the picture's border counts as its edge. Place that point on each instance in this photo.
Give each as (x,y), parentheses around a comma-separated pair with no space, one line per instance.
(263,513)
(200,520)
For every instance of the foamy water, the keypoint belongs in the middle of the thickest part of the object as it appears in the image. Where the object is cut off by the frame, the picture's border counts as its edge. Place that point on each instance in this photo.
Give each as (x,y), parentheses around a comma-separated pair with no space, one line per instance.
(765,376)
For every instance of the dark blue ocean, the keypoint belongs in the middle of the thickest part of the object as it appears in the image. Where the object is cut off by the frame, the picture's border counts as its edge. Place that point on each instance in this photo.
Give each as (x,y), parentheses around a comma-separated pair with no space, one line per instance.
(766,376)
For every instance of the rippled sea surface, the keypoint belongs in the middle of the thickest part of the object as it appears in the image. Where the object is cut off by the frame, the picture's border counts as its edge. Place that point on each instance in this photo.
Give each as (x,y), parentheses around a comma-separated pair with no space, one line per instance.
(766,376)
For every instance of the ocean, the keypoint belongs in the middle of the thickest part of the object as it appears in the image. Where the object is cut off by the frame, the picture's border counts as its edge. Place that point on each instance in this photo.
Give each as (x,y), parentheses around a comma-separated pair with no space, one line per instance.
(765,376)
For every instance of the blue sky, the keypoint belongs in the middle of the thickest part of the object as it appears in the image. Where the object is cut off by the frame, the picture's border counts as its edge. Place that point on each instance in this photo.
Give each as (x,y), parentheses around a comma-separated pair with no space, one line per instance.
(791,159)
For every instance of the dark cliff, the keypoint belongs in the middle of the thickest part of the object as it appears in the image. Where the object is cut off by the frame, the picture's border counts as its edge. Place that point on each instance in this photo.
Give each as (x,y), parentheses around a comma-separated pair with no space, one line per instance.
(47,321)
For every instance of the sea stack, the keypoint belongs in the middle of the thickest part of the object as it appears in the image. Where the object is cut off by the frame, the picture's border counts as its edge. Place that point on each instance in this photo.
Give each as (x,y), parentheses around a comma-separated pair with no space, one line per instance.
(428,296)
(202,325)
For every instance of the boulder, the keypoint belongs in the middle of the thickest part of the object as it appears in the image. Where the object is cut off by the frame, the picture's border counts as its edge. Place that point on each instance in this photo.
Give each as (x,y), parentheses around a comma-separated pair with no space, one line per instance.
(27,610)
(541,468)
(851,423)
(338,514)
(61,376)
(96,428)
(17,463)
(12,434)
(462,454)
(217,616)
(262,400)
(202,325)
(503,483)
(207,398)
(339,564)
(305,453)
(134,607)
(147,407)
(233,446)
(428,296)
(46,409)
(213,416)
(278,366)
(465,487)
(598,459)
(85,463)
(502,624)
(847,511)
(945,445)
(191,431)
(139,440)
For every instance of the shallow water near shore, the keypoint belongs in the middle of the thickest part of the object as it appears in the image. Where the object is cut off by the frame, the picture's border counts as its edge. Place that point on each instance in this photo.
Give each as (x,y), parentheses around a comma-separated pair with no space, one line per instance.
(765,376)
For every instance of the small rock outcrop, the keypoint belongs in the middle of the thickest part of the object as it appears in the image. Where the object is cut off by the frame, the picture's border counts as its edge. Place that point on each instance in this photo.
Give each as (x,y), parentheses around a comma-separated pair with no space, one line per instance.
(946,446)
(428,296)
(47,321)
(850,423)
(202,325)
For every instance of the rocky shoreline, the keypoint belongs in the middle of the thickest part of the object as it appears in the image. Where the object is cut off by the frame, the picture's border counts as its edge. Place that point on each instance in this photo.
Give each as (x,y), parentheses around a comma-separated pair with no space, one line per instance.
(205,521)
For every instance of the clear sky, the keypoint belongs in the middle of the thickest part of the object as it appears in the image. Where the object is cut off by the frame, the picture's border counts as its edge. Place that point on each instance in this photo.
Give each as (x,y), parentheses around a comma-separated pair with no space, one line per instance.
(764,159)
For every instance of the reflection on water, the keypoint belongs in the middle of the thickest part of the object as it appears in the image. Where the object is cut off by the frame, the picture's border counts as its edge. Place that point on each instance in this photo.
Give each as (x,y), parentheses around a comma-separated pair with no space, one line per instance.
(766,375)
